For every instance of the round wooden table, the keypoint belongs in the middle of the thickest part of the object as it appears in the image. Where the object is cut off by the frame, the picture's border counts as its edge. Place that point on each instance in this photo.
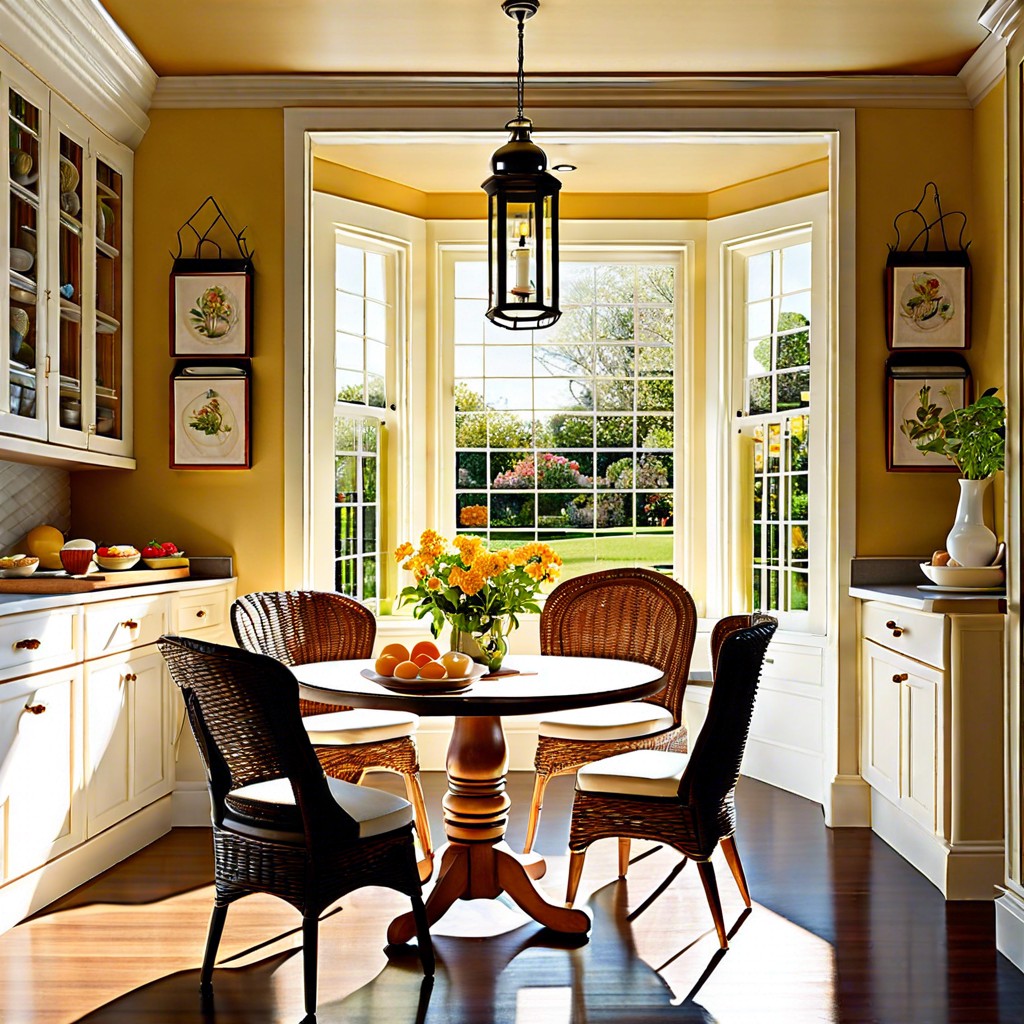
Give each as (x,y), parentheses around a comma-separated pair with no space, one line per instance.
(476,862)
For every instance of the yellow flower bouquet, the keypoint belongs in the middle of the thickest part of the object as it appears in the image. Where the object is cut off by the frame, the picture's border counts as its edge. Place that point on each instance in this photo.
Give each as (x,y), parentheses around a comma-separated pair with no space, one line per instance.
(476,591)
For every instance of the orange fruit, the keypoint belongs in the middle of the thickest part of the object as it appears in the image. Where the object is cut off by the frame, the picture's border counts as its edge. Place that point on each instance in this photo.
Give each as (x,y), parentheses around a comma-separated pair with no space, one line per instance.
(457,664)
(425,647)
(407,670)
(385,665)
(433,670)
(399,651)
(421,659)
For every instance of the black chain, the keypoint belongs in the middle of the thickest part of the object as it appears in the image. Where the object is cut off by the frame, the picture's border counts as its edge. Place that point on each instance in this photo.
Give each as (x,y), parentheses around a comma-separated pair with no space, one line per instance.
(521,18)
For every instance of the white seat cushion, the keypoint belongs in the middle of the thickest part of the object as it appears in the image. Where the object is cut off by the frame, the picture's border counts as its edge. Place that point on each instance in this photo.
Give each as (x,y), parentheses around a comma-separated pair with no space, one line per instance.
(608,722)
(360,725)
(375,811)
(636,773)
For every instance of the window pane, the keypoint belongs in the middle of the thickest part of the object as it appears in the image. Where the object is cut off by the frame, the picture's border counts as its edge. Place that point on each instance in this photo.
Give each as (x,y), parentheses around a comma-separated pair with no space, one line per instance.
(348,269)
(796,267)
(470,278)
(348,314)
(759,277)
(376,358)
(375,283)
(376,321)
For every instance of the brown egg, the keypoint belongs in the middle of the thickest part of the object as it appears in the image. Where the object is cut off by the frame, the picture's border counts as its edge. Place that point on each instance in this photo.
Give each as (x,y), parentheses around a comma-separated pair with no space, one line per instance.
(400,652)
(407,670)
(457,664)
(427,647)
(421,659)
(433,670)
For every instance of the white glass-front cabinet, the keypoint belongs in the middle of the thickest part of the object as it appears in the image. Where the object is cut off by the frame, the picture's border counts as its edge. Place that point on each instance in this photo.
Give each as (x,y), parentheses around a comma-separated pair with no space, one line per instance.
(67,374)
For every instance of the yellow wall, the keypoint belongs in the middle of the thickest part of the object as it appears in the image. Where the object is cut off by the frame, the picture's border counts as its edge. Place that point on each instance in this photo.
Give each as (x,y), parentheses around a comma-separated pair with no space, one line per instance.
(236,156)
(898,151)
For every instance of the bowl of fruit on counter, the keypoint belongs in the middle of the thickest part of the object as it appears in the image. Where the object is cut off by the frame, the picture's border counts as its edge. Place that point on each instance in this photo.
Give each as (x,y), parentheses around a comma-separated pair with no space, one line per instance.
(116,557)
(163,555)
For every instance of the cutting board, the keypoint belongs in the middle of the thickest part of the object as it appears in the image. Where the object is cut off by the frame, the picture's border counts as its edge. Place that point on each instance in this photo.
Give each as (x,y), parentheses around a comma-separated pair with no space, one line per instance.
(94,581)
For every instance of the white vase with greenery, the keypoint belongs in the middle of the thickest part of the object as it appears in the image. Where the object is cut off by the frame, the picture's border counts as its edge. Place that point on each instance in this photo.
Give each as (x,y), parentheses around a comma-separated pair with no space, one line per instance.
(973,439)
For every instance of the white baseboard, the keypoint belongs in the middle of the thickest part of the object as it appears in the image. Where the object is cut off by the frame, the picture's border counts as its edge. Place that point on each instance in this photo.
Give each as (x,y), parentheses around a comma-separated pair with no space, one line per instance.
(190,805)
(1010,927)
(39,888)
(964,871)
(849,803)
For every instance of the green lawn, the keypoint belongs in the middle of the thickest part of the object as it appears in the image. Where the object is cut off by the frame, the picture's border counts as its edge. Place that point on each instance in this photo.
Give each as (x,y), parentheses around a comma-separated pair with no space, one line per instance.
(589,554)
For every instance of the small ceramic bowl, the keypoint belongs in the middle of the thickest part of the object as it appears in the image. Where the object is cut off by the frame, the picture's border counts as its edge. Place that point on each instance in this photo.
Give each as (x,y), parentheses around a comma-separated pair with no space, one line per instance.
(76,561)
(970,576)
(21,260)
(115,564)
(18,565)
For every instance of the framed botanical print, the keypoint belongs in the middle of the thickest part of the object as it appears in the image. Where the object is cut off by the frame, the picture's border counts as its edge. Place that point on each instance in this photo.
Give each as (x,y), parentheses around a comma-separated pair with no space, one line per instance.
(928,300)
(210,419)
(949,387)
(211,308)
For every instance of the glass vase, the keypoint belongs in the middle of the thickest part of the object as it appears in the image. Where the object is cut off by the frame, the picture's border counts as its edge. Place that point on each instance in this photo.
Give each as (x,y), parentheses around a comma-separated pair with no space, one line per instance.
(487,647)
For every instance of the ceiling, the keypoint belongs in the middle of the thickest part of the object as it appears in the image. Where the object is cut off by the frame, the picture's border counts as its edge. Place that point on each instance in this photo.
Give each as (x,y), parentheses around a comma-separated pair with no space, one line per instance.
(608,37)
(605,38)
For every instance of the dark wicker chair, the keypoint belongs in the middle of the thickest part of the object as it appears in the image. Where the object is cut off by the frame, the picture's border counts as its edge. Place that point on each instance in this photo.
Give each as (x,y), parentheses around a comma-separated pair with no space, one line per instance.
(279,825)
(685,801)
(298,627)
(635,614)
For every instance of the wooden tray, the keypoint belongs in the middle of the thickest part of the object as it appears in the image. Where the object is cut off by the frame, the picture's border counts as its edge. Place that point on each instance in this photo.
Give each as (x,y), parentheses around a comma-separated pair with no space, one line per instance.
(94,581)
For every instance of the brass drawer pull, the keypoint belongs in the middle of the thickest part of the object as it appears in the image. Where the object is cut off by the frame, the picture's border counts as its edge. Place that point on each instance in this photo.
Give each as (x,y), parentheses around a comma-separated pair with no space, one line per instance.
(130,677)
(897,630)
(201,614)
(901,677)
(130,624)
(28,645)
(35,709)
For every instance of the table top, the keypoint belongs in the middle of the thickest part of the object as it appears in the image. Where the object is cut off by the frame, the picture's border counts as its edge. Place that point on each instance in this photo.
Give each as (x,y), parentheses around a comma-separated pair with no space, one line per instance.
(544,683)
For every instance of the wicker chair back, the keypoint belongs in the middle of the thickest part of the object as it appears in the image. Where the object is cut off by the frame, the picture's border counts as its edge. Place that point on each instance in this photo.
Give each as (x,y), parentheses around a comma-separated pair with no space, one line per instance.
(708,784)
(301,626)
(635,614)
(244,712)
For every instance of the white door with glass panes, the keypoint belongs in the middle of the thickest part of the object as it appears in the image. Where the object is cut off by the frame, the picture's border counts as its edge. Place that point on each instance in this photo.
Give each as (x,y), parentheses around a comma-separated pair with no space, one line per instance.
(768,524)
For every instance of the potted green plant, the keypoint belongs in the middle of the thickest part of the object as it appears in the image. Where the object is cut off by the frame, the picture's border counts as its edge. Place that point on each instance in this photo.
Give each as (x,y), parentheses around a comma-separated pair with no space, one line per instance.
(973,439)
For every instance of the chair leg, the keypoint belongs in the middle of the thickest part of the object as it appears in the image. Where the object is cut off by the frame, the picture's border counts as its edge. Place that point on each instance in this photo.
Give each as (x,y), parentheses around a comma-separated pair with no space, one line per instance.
(707,876)
(423,940)
(535,808)
(623,856)
(212,943)
(414,791)
(732,857)
(310,938)
(576,859)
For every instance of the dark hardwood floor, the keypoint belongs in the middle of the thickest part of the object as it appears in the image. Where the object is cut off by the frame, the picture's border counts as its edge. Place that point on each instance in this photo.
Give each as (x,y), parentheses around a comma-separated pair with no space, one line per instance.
(842,930)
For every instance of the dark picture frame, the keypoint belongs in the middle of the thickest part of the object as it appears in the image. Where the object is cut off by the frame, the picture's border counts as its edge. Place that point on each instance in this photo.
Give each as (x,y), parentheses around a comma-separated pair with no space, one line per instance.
(928,300)
(210,413)
(905,376)
(211,304)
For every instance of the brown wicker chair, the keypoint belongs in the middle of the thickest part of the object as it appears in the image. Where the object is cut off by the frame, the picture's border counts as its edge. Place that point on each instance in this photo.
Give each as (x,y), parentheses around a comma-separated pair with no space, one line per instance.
(685,801)
(279,825)
(298,627)
(636,614)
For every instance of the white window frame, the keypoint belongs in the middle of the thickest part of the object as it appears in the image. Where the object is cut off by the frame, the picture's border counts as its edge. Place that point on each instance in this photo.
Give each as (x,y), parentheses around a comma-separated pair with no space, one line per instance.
(731,240)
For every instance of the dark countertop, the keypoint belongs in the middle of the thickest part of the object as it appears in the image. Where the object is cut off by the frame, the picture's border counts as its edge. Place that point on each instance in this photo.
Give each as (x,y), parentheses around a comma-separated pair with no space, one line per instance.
(898,581)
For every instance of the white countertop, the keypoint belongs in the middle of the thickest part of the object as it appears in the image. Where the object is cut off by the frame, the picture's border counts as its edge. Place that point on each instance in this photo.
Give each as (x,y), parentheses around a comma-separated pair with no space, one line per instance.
(907,595)
(12,604)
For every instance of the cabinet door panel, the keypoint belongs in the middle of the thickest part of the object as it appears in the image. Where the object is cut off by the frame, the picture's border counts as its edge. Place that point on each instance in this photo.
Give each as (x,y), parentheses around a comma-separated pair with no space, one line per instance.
(920,769)
(106,744)
(151,761)
(881,754)
(39,779)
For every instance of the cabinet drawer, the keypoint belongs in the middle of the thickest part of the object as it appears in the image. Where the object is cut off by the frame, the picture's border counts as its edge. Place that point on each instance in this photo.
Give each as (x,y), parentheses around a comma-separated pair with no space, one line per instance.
(919,635)
(34,642)
(200,612)
(121,625)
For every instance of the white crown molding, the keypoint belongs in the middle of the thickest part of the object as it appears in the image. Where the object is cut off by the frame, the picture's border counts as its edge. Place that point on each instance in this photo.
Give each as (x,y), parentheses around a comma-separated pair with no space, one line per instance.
(222,91)
(1001,17)
(985,68)
(75,47)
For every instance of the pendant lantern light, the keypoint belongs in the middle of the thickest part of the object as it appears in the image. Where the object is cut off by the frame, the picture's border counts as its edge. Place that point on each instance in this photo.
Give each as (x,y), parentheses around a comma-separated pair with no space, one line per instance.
(522,218)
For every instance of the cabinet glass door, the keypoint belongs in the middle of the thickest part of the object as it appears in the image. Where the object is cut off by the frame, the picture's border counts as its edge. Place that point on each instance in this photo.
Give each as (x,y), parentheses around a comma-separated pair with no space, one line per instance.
(27,155)
(70,282)
(109,416)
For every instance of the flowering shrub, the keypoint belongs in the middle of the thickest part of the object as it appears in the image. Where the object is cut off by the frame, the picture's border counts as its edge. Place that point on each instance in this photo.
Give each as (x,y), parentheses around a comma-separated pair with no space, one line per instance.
(471,587)
(547,471)
(473,515)
(657,509)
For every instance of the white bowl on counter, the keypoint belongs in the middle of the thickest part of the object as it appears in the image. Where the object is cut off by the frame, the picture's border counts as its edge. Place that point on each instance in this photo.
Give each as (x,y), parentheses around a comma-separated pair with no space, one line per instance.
(970,576)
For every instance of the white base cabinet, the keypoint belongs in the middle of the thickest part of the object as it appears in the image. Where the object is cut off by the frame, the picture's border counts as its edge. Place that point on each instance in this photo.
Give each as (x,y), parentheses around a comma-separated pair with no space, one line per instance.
(88,723)
(932,742)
